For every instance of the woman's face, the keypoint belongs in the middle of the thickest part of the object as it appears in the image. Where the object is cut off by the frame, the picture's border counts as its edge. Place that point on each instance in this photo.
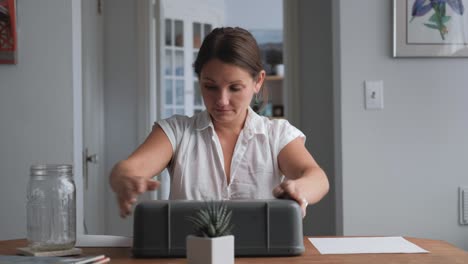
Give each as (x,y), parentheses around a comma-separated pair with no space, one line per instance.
(227,91)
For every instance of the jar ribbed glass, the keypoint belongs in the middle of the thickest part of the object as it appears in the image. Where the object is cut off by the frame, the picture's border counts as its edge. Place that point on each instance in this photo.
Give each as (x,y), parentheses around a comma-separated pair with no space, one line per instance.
(51,208)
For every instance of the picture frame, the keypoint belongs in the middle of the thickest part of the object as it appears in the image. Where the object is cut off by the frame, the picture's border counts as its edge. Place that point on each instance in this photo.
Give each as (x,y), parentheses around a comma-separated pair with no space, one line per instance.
(428,28)
(8,32)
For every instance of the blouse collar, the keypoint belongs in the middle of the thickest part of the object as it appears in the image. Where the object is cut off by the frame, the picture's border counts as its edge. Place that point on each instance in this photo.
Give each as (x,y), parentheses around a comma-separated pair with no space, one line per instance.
(253,123)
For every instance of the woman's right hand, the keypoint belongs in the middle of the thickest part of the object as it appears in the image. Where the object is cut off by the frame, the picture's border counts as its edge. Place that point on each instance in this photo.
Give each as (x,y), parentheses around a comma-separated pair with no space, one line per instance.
(127,186)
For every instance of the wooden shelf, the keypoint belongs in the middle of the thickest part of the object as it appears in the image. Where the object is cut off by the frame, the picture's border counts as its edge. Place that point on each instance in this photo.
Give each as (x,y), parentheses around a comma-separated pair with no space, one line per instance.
(276,117)
(273,78)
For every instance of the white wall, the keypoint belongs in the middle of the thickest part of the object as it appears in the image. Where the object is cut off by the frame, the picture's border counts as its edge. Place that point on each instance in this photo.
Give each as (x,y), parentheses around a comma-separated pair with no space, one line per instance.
(254,14)
(36,99)
(402,165)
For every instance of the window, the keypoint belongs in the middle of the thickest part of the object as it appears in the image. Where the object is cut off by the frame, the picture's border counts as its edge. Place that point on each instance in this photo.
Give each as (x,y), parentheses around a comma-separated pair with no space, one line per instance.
(181,90)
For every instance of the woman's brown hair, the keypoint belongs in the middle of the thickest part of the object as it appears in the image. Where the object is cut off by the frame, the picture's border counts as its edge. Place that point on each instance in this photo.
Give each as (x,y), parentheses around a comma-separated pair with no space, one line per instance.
(230,45)
(234,46)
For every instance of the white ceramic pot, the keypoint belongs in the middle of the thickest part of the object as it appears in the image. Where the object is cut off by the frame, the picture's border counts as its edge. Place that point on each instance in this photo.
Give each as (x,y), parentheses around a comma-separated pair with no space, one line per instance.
(205,250)
(279,69)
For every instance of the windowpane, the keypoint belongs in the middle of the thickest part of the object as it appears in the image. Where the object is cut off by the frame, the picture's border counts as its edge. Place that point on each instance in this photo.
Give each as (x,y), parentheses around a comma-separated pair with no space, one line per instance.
(197,98)
(168,112)
(168,62)
(207,29)
(168,33)
(195,54)
(168,88)
(179,111)
(179,92)
(179,33)
(176,84)
(179,63)
(196,35)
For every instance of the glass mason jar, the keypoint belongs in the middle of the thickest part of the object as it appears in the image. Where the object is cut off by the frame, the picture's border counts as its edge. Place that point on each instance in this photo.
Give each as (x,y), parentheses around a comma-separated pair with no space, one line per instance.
(51,208)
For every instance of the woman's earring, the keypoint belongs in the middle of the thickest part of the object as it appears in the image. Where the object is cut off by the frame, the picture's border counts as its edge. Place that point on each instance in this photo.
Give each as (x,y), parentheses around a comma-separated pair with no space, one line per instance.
(256,99)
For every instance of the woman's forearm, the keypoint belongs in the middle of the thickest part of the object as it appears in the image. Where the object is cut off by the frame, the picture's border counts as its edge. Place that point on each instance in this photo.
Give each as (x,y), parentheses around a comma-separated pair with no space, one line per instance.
(313,184)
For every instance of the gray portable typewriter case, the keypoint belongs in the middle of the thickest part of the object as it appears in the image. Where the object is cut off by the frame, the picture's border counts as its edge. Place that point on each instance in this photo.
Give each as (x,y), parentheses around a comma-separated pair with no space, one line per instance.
(261,227)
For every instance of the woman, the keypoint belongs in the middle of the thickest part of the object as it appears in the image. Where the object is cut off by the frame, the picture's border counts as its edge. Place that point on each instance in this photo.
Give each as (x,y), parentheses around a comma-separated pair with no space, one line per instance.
(226,151)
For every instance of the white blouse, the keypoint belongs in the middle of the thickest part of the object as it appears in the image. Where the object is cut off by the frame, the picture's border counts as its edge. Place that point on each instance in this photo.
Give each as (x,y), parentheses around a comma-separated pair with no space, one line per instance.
(197,167)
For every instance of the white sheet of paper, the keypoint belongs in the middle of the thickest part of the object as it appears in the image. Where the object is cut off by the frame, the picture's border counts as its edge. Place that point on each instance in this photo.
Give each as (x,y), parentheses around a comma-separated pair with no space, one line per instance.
(103,241)
(362,245)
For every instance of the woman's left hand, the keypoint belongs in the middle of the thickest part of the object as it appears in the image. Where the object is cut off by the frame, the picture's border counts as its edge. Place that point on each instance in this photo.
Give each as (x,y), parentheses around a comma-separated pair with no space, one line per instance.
(288,189)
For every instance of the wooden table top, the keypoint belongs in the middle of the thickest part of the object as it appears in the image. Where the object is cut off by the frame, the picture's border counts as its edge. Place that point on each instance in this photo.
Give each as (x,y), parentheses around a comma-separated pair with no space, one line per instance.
(441,252)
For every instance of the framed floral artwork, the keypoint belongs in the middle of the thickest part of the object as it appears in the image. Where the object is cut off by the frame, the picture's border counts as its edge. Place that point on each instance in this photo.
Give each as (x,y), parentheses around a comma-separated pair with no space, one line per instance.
(430,28)
(8,37)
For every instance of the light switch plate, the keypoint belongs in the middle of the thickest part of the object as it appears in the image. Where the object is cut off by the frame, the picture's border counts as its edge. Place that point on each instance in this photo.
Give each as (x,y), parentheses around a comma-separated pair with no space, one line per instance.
(463,200)
(373,94)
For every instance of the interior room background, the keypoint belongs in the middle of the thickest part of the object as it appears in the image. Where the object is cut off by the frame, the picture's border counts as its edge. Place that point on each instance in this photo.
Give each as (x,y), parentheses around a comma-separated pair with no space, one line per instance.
(394,171)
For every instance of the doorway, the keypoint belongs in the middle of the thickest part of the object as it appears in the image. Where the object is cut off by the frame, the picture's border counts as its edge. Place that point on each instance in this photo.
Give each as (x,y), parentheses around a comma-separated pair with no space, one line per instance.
(183,24)
(127,99)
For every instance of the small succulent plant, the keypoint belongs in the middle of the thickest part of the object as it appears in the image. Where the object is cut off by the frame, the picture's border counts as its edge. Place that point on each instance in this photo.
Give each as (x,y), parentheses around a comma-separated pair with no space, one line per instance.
(214,220)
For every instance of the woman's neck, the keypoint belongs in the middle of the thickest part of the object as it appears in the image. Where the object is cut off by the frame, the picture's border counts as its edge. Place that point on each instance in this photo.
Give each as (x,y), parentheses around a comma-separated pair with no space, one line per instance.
(231,127)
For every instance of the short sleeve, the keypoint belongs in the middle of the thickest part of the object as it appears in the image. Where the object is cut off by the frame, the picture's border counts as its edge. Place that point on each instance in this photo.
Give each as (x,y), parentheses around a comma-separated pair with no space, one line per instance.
(174,128)
(286,133)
